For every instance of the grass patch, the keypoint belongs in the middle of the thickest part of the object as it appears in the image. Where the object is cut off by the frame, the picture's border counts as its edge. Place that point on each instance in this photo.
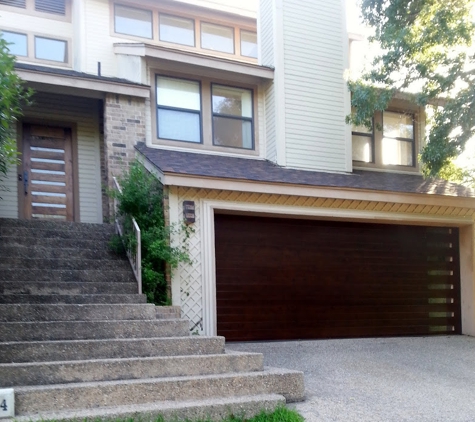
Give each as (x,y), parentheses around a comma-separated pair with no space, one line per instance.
(281,414)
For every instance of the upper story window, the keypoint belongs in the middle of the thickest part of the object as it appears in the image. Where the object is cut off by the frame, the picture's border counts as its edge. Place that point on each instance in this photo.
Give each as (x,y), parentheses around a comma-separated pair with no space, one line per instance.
(394,145)
(177,30)
(50,7)
(51,49)
(248,44)
(18,43)
(192,32)
(204,114)
(178,109)
(232,117)
(132,21)
(37,47)
(217,37)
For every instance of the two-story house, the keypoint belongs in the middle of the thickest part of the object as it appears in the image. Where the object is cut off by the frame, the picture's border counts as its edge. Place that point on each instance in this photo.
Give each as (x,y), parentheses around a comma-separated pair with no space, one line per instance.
(303,226)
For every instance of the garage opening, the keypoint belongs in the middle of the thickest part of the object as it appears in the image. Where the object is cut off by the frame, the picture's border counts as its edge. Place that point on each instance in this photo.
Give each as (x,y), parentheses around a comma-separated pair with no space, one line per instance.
(279,279)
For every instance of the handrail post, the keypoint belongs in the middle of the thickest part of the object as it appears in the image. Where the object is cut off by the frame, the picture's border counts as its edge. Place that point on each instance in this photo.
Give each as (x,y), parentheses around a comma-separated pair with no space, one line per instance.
(135,259)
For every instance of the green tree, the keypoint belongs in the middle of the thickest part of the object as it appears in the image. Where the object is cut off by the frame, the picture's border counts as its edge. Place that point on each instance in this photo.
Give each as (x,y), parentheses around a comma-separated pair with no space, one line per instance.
(13,96)
(426,49)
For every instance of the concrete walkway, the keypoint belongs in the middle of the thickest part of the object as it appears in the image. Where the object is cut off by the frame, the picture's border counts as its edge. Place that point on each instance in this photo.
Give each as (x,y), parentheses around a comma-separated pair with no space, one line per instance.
(422,379)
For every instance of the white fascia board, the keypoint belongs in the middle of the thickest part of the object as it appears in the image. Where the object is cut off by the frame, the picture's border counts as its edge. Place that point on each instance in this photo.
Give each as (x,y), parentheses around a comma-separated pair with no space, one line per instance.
(84,83)
(185,57)
(317,191)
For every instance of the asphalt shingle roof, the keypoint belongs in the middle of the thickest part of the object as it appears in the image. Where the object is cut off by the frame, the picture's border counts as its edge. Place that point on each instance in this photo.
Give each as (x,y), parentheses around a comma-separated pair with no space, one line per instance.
(217,166)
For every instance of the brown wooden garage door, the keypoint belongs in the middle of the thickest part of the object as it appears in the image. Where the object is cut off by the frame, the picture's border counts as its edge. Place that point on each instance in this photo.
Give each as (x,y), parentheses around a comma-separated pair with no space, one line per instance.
(306,279)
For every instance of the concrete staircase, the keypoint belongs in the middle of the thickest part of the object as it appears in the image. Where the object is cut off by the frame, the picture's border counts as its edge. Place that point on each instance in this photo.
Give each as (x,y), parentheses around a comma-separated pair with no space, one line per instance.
(78,342)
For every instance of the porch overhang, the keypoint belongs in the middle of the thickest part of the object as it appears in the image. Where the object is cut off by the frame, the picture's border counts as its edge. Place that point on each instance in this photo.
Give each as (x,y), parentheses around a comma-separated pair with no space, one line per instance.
(78,83)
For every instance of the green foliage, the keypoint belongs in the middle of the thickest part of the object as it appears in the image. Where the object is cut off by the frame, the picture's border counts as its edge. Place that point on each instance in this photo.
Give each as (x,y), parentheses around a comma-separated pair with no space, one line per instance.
(13,96)
(426,48)
(142,199)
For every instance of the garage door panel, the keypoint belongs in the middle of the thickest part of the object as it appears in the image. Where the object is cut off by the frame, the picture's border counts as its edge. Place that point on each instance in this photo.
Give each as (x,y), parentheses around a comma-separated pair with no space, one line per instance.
(284,279)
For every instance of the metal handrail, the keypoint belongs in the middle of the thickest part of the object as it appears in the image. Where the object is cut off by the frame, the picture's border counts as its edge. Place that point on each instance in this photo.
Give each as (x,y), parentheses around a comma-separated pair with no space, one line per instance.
(135,257)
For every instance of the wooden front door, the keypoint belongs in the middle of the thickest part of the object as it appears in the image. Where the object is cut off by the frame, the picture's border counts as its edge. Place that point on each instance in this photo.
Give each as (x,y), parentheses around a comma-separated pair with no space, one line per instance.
(279,279)
(47,173)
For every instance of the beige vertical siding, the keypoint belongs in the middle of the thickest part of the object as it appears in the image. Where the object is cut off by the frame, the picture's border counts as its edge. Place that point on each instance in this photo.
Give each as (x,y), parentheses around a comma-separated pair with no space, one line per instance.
(9,194)
(266,32)
(271,153)
(83,113)
(314,87)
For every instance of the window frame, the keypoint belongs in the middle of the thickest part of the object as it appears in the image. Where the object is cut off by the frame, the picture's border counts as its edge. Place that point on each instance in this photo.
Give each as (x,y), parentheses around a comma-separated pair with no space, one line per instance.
(229,116)
(373,142)
(30,9)
(136,8)
(401,107)
(412,141)
(198,17)
(200,112)
(31,58)
(206,115)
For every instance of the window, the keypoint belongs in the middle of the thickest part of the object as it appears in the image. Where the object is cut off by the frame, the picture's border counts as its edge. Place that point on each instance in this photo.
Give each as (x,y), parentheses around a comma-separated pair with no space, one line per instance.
(398,139)
(178,109)
(14,3)
(217,37)
(51,49)
(232,117)
(57,7)
(18,43)
(131,21)
(177,30)
(363,144)
(249,44)
(394,145)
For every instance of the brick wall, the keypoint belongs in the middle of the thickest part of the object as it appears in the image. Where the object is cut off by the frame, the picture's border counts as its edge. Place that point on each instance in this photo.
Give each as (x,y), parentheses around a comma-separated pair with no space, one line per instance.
(124,126)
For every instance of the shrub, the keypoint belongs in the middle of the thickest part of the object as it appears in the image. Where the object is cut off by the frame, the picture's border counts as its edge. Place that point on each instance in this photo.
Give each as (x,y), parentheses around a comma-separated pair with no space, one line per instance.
(142,199)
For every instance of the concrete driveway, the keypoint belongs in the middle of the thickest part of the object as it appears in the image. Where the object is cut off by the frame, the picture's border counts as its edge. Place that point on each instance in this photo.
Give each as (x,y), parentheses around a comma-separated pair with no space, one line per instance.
(382,380)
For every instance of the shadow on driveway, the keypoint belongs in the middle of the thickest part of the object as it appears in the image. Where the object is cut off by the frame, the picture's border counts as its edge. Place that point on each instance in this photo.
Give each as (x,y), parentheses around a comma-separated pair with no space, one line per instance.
(420,379)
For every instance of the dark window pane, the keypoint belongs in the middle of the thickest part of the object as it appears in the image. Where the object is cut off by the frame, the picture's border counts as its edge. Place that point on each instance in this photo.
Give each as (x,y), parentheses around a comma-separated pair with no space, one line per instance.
(179,125)
(232,101)
(232,132)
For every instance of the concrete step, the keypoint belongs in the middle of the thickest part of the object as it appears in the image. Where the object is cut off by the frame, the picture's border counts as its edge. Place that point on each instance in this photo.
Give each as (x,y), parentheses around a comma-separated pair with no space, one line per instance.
(44,373)
(55,233)
(14,241)
(47,351)
(39,252)
(98,275)
(88,312)
(37,399)
(64,264)
(84,330)
(73,299)
(65,288)
(167,312)
(209,409)
(55,225)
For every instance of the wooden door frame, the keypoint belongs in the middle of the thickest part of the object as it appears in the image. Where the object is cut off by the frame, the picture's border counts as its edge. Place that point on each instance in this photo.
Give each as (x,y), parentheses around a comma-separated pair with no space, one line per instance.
(74,155)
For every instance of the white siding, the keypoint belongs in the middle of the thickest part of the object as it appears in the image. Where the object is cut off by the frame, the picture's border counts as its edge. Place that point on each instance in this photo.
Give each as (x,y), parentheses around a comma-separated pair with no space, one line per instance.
(271,152)
(9,194)
(83,113)
(265,32)
(315,92)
